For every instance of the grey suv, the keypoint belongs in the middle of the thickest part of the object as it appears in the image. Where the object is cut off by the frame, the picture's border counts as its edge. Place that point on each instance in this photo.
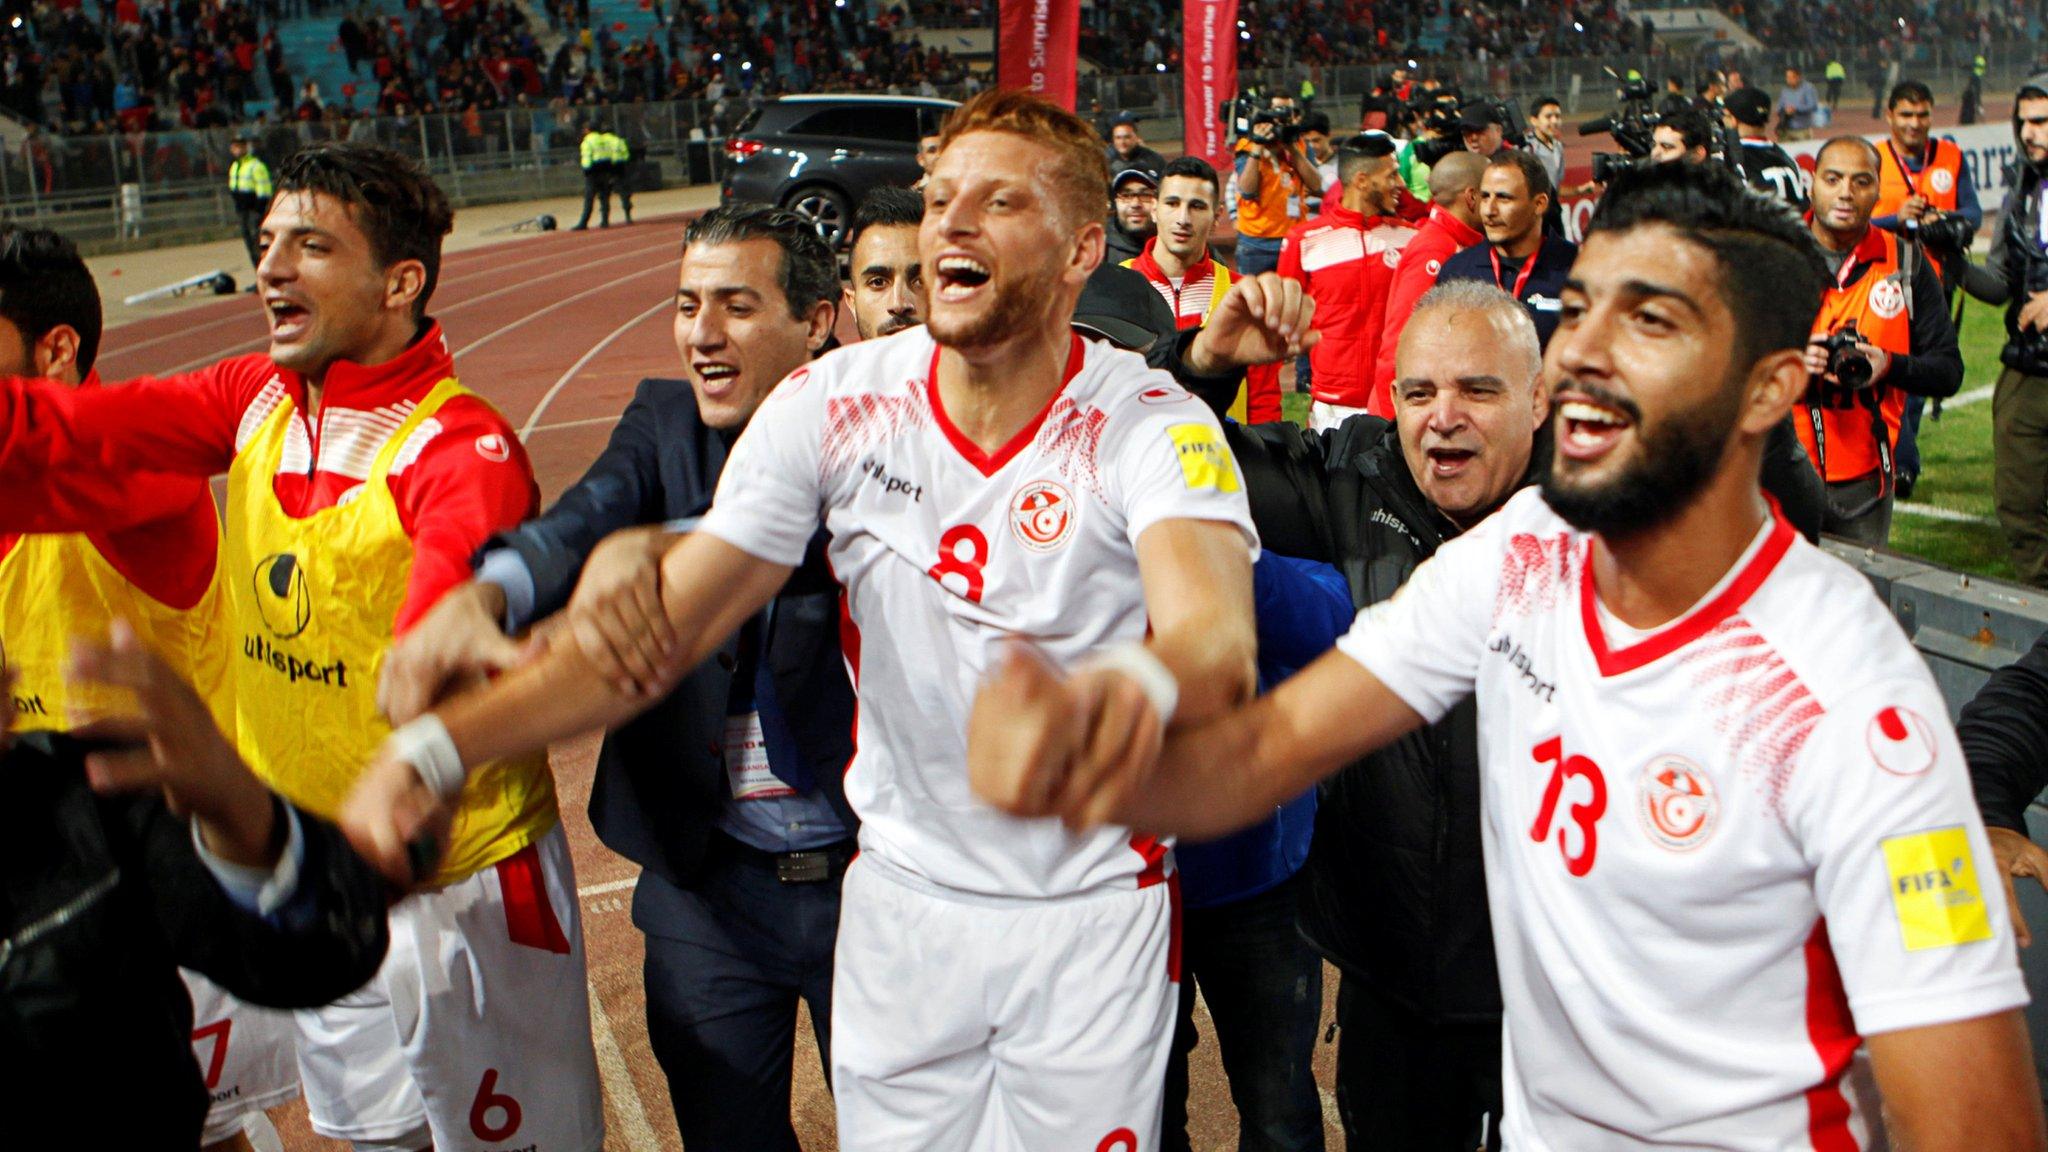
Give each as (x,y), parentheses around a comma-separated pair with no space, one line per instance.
(818,155)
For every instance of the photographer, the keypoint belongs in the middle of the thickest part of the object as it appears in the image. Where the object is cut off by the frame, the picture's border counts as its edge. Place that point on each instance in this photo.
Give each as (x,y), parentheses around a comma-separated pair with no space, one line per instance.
(1682,134)
(1434,132)
(1924,189)
(2019,406)
(1883,332)
(1768,168)
(1274,182)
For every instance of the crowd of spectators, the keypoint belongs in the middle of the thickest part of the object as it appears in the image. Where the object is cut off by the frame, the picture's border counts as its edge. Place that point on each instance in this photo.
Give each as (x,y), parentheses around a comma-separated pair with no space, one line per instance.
(122,65)
(1888,28)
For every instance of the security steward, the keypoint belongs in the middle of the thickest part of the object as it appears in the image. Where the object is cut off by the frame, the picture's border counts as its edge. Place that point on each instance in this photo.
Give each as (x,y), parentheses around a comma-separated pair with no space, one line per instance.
(727,793)
(604,157)
(249,188)
(1903,344)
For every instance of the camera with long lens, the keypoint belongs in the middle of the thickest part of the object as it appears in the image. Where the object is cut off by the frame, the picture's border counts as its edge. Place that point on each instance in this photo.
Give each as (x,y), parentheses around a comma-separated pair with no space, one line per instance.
(1942,231)
(1273,126)
(1437,131)
(1846,362)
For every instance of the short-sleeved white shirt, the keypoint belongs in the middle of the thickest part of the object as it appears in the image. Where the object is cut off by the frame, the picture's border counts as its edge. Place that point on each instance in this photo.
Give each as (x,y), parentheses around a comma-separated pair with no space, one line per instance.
(945,550)
(1717,853)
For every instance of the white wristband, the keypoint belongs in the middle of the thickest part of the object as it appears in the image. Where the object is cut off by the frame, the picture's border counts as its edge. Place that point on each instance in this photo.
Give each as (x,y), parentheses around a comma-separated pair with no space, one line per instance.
(1152,676)
(425,744)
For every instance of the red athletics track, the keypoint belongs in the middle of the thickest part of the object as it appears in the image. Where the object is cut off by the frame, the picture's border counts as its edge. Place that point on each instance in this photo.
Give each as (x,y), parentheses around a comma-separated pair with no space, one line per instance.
(556,330)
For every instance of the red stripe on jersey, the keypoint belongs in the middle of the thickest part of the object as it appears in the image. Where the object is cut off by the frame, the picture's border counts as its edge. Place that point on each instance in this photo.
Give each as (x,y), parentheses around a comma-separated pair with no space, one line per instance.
(1154,853)
(1687,629)
(990,463)
(1173,944)
(529,918)
(1835,1041)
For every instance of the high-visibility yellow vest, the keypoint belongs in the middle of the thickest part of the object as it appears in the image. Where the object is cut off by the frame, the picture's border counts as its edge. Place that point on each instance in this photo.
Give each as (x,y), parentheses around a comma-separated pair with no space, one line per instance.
(312,604)
(249,176)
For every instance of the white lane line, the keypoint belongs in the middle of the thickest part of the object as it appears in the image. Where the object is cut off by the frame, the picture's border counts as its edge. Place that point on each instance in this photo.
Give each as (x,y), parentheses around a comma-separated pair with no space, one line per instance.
(1965,399)
(564,302)
(589,890)
(612,1070)
(439,313)
(583,423)
(1936,512)
(533,418)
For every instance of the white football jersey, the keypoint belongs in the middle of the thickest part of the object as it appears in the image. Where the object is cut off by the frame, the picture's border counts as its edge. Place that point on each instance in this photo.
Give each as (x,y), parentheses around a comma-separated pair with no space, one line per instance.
(945,551)
(1718,853)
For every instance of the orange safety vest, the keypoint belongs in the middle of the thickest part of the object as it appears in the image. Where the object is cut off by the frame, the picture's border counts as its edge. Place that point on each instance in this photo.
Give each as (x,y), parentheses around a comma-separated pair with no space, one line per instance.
(1938,182)
(1851,433)
(1278,205)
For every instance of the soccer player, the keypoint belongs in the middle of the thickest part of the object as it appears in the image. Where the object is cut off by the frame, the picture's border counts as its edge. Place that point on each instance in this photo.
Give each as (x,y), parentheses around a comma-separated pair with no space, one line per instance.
(361,476)
(153,562)
(1730,838)
(887,293)
(1000,982)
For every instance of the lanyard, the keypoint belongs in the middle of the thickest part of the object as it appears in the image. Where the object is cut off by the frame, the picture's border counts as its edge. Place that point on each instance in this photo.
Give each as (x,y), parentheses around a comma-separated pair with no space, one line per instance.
(1905,173)
(1522,280)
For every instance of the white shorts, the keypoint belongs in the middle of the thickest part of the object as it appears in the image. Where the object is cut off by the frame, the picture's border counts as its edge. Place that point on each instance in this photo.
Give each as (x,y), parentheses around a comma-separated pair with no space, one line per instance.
(1000,1025)
(477,1025)
(246,1053)
(1323,417)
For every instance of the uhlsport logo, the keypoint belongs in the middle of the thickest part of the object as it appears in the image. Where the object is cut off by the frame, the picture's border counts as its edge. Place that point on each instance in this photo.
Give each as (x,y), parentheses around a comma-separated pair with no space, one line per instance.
(1901,741)
(281,597)
(1042,515)
(1677,803)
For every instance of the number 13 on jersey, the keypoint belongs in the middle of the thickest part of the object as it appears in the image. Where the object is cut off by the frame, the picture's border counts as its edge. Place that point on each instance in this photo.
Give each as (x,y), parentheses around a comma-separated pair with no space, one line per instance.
(1586,815)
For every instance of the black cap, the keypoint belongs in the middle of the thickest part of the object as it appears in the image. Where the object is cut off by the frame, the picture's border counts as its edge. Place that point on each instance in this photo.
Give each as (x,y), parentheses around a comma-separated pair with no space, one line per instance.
(1131,172)
(1121,306)
(1476,117)
(1748,106)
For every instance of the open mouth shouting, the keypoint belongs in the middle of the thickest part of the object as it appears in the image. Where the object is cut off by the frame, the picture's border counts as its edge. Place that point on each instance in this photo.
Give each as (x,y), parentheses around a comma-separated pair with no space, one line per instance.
(960,278)
(1448,461)
(1588,429)
(719,379)
(288,318)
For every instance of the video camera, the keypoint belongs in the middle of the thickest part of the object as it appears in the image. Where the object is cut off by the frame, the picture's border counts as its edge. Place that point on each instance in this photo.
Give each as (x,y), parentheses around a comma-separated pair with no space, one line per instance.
(1281,128)
(1632,126)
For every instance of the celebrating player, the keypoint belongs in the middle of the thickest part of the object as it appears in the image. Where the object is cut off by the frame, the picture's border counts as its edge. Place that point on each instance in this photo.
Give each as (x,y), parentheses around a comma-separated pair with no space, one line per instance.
(361,476)
(1730,835)
(1000,982)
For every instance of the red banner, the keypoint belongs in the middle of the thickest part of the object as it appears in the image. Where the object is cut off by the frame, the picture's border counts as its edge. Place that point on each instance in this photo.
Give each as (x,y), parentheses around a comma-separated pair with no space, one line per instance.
(1208,77)
(1038,44)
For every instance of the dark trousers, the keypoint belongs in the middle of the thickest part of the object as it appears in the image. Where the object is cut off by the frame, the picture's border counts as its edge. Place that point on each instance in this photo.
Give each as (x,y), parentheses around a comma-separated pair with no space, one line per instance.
(1907,454)
(1415,1082)
(2019,471)
(251,220)
(726,963)
(1859,510)
(597,186)
(1264,987)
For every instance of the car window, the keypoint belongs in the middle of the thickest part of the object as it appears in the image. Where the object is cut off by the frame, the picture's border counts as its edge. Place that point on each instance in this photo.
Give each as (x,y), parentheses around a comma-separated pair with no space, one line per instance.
(892,124)
(930,120)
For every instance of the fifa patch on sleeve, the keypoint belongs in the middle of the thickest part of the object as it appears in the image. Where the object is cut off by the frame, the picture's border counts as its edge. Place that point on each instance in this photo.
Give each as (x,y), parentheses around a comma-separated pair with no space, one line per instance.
(1934,889)
(1204,459)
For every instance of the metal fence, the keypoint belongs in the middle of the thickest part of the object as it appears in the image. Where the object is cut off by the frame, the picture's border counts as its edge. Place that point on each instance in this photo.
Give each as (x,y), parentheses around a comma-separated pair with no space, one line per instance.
(130,190)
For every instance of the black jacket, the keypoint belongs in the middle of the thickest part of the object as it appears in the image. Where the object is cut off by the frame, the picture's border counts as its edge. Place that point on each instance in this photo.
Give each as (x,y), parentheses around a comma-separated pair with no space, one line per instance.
(2004,733)
(1770,170)
(101,901)
(660,777)
(2023,264)
(1394,889)
(1395,886)
(1121,244)
(1541,294)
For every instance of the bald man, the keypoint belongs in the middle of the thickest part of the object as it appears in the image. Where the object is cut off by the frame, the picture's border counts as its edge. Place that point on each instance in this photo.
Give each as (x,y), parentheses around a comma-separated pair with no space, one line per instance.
(1453,224)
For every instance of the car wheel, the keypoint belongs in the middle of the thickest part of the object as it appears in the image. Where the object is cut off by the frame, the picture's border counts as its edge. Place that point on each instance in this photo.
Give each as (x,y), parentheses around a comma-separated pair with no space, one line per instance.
(825,209)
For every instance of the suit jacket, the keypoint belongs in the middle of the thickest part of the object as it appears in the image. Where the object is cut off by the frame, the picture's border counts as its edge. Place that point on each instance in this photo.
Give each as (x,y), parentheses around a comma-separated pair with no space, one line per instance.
(661,776)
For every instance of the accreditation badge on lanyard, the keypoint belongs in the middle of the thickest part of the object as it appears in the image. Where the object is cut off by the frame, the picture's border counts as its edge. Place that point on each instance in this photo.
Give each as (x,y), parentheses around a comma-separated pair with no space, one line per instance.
(746,760)
(1522,279)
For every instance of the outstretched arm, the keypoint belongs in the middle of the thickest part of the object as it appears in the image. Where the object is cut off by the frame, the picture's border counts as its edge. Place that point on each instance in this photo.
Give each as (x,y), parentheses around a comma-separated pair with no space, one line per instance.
(709,588)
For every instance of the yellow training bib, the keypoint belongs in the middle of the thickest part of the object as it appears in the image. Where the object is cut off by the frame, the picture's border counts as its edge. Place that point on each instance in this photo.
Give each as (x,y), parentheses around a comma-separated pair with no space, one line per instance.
(55,588)
(312,601)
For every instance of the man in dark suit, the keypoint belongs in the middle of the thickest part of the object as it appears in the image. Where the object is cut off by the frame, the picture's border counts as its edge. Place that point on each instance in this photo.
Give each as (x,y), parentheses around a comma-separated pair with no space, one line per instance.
(728,793)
